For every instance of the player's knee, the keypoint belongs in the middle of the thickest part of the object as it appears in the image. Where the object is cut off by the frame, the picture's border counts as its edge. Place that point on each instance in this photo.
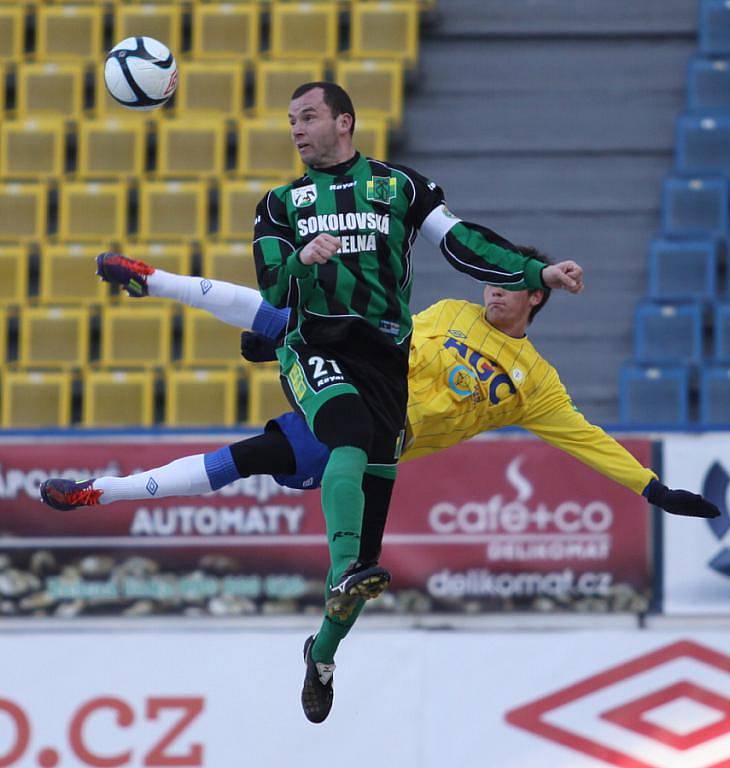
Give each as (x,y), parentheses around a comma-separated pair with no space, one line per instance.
(344,422)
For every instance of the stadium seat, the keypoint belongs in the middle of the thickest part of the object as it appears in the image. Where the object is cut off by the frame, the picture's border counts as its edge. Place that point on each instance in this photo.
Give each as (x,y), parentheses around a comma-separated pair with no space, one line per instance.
(371,138)
(277,80)
(708,85)
(201,398)
(68,275)
(386,30)
(171,257)
(715,396)
(23,212)
(36,400)
(111,149)
(209,342)
(50,89)
(683,269)
(172,210)
(721,331)
(696,206)
(69,33)
(210,89)
(118,399)
(232,262)
(53,337)
(703,144)
(306,30)
(237,205)
(266,399)
(655,395)
(225,31)
(265,148)
(136,336)
(375,86)
(714,32)
(190,149)
(13,275)
(11,33)
(106,108)
(31,149)
(92,211)
(668,332)
(162,22)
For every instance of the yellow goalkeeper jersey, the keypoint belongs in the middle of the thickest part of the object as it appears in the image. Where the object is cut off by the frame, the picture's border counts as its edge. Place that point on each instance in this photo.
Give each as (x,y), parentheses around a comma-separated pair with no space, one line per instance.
(467,377)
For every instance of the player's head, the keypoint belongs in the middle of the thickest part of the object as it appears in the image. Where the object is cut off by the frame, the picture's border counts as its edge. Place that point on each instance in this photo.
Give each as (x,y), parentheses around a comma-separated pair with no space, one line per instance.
(322,121)
(512,311)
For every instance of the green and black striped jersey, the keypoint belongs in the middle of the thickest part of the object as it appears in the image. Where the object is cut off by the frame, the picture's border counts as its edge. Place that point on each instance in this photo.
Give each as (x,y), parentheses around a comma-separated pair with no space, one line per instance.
(376,209)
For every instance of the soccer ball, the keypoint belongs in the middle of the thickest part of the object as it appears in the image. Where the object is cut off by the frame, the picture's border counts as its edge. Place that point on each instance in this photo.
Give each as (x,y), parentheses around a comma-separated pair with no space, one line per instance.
(140,73)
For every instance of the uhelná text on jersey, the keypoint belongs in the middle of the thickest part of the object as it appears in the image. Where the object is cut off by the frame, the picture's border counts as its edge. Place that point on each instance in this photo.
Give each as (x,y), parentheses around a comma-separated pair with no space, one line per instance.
(365,224)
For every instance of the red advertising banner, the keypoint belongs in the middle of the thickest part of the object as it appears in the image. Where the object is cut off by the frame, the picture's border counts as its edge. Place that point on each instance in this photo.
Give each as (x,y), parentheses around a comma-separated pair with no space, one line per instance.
(487,525)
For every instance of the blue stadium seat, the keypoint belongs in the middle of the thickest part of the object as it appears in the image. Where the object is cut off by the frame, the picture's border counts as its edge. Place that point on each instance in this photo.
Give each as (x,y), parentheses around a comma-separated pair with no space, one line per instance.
(703,144)
(668,332)
(656,395)
(721,330)
(695,207)
(682,269)
(708,85)
(715,396)
(714,28)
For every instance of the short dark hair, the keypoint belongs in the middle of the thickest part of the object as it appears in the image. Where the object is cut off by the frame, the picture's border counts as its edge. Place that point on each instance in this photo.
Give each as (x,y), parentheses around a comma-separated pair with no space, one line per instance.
(533,253)
(335,97)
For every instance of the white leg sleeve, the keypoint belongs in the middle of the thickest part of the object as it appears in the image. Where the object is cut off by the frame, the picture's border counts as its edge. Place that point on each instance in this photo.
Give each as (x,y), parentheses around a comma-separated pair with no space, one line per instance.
(233,304)
(182,477)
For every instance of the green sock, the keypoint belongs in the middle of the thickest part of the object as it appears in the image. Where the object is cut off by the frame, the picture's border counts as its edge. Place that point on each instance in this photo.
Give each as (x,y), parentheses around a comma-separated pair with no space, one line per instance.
(333,631)
(343,502)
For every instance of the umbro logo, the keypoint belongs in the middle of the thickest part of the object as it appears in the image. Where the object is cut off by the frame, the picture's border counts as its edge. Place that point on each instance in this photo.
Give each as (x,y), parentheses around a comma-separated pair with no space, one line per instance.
(205,286)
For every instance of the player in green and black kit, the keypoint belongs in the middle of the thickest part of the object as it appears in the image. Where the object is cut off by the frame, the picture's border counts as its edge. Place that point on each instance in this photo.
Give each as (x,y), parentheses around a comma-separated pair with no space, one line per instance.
(335,247)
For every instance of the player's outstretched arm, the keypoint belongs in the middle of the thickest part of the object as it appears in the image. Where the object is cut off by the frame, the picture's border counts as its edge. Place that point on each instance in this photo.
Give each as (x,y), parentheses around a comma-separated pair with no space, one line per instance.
(679,502)
(236,305)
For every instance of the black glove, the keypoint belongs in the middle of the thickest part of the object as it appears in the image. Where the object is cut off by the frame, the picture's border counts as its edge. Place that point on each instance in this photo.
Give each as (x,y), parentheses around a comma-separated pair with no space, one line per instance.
(258,348)
(679,502)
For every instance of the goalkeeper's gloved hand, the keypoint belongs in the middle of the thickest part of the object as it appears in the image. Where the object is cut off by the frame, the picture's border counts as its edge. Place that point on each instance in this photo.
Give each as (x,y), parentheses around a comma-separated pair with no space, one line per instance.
(258,348)
(679,502)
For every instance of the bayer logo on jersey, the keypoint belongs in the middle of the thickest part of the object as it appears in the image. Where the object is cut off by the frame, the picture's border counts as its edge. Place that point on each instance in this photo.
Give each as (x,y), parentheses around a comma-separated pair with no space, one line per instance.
(140,73)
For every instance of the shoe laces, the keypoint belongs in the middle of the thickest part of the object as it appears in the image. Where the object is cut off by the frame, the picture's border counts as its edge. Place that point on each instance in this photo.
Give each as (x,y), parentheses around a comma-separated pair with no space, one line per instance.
(136,266)
(86,497)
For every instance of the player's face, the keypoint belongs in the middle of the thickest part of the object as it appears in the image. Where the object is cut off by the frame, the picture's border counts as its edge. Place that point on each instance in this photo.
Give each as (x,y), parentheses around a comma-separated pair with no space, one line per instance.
(316,134)
(509,311)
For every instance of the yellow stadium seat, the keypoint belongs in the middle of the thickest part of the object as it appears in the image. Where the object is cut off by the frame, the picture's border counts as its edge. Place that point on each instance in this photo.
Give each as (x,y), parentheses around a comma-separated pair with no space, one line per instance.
(265,148)
(56,89)
(191,149)
(304,30)
(23,211)
(106,108)
(71,33)
(118,399)
(31,149)
(225,31)
(135,336)
(201,398)
(209,342)
(171,257)
(68,275)
(376,88)
(386,30)
(35,399)
(237,206)
(371,138)
(232,262)
(13,275)
(172,210)
(111,149)
(277,80)
(162,22)
(210,88)
(50,336)
(11,33)
(266,398)
(92,211)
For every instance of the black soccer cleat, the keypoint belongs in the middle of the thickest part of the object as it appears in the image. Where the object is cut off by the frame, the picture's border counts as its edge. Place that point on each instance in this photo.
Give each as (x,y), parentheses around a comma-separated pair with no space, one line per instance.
(64,495)
(129,274)
(318,691)
(359,580)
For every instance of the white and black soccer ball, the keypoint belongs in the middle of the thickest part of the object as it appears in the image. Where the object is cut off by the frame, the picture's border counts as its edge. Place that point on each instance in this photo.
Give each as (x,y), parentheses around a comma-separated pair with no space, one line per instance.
(140,73)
